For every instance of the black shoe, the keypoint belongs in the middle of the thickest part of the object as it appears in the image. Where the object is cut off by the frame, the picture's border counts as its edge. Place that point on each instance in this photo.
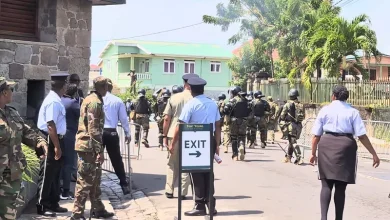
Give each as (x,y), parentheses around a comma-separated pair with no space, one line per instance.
(102,214)
(125,189)
(44,211)
(77,218)
(198,210)
(183,197)
(58,209)
(208,207)
(169,195)
(215,212)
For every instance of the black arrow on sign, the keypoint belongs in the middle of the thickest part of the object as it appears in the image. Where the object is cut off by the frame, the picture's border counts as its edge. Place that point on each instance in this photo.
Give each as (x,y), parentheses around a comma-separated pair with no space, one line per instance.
(197,154)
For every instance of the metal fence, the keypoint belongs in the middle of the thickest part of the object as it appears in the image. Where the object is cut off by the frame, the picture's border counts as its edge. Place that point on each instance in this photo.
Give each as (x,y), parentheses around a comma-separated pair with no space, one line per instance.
(362,92)
(377,131)
(128,152)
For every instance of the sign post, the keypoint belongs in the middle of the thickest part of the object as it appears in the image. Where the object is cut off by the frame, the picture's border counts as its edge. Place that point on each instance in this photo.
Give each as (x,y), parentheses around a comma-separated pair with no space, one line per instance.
(196,155)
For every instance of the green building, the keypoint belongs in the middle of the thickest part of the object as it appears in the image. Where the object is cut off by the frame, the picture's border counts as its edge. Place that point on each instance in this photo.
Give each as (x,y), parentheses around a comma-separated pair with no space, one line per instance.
(162,64)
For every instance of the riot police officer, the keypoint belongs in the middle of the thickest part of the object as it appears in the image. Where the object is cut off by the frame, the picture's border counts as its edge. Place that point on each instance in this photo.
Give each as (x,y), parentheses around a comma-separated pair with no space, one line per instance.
(272,118)
(291,119)
(260,109)
(159,115)
(251,126)
(141,111)
(238,110)
(177,89)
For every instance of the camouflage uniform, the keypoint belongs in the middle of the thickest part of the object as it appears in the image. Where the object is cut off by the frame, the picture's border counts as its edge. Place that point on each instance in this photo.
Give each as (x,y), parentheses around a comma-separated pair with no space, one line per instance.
(272,119)
(251,125)
(142,110)
(238,111)
(13,132)
(260,110)
(224,129)
(159,108)
(291,119)
(88,145)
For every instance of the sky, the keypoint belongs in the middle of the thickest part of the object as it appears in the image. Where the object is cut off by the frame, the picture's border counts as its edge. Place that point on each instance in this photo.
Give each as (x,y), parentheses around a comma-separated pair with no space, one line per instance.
(140,17)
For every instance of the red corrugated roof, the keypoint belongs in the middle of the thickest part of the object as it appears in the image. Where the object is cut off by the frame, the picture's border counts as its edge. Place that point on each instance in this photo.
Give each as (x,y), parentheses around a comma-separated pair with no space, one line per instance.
(94,67)
(275,54)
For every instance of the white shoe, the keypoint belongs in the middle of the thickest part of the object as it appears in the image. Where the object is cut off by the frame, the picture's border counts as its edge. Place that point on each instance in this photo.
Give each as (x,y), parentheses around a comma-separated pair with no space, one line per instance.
(242,154)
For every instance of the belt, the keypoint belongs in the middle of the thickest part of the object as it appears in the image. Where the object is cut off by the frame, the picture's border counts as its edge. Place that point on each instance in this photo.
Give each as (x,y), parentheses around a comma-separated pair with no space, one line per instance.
(110,129)
(60,136)
(339,134)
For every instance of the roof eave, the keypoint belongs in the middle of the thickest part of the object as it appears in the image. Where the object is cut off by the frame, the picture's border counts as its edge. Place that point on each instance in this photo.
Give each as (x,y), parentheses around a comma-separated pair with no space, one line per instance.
(193,57)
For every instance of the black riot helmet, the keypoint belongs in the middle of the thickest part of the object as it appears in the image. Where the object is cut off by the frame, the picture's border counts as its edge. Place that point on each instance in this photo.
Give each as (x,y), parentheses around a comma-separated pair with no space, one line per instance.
(235,90)
(221,96)
(166,94)
(243,94)
(142,91)
(293,94)
(175,89)
(250,93)
(258,94)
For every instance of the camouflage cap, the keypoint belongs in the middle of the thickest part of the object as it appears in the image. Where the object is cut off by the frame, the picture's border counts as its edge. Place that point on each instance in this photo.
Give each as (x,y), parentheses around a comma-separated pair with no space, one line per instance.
(100,81)
(109,82)
(269,97)
(4,83)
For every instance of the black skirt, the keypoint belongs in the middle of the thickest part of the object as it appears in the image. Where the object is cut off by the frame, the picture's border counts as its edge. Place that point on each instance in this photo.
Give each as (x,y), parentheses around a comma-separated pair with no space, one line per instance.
(337,158)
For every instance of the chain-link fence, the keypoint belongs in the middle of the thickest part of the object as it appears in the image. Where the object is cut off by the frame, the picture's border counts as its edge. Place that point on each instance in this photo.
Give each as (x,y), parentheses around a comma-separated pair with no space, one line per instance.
(377,131)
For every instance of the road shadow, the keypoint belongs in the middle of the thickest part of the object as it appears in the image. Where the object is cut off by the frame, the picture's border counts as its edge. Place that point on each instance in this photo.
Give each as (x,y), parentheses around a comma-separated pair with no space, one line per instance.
(149,183)
(243,212)
(249,161)
(232,197)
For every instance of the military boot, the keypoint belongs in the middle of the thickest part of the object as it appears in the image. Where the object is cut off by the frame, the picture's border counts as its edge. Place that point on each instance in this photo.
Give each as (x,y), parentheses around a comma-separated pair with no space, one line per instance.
(263,145)
(102,214)
(145,143)
(287,159)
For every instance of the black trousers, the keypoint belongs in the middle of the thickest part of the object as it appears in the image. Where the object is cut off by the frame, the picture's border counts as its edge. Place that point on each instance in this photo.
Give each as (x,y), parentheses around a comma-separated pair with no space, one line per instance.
(111,143)
(202,185)
(49,177)
(202,188)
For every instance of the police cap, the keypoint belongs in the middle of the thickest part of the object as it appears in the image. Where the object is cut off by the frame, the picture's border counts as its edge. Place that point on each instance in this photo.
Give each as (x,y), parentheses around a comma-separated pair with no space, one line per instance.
(186,77)
(197,81)
(59,76)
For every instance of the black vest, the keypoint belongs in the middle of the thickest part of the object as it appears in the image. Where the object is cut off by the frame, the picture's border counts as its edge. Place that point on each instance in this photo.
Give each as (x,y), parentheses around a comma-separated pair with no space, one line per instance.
(142,106)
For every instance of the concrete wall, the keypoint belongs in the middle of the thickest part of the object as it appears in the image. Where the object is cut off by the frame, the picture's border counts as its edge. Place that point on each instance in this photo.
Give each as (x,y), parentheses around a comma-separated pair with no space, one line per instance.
(65,41)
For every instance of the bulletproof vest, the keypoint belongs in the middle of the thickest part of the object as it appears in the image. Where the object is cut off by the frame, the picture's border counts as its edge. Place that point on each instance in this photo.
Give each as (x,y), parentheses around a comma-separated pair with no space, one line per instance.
(241,109)
(291,112)
(220,107)
(279,112)
(259,108)
(142,106)
(161,106)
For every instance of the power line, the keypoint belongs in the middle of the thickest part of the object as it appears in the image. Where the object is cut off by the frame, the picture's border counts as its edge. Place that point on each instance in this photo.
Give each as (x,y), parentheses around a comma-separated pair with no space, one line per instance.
(346,3)
(154,33)
(351,3)
(338,2)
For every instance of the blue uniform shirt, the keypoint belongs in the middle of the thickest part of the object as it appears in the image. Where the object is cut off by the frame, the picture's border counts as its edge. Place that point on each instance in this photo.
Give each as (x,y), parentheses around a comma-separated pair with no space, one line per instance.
(200,110)
(115,109)
(339,117)
(52,109)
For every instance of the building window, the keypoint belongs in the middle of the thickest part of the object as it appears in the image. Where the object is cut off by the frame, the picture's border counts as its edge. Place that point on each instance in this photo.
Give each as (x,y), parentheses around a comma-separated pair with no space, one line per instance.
(146,66)
(215,66)
(372,74)
(18,19)
(189,66)
(169,66)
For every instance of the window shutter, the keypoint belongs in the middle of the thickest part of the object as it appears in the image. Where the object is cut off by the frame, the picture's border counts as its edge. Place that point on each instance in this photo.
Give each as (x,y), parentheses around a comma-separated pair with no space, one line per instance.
(18,19)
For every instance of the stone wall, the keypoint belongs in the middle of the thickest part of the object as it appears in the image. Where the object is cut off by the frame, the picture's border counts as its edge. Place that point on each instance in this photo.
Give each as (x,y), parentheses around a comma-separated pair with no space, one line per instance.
(65,41)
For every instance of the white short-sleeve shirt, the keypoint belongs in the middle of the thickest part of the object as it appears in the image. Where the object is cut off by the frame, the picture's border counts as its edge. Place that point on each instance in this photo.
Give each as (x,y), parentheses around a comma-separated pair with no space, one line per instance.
(52,109)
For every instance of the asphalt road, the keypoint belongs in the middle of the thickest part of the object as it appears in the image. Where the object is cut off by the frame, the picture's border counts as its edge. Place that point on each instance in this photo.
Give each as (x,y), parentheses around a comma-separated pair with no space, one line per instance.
(262,187)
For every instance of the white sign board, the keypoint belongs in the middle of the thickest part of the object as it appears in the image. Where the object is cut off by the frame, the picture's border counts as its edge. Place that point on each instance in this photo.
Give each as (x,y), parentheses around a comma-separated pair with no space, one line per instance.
(195,149)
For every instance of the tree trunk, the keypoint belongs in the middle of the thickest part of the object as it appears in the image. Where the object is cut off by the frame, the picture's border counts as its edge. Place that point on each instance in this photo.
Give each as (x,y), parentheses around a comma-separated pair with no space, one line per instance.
(272,64)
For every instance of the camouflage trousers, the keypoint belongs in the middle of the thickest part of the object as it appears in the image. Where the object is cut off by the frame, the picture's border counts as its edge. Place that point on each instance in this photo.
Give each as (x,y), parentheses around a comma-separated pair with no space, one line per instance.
(160,124)
(142,120)
(89,175)
(226,137)
(293,131)
(272,128)
(237,134)
(10,197)
(257,123)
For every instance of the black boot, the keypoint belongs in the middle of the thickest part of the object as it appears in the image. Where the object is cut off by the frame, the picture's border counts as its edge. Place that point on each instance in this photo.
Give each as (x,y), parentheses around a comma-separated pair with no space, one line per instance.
(41,210)
(198,210)
(125,189)
(215,211)
(102,214)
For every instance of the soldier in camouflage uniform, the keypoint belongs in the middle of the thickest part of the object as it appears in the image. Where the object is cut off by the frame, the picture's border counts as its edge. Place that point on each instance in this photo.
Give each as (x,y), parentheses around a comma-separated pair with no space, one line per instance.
(291,119)
(89,148)
(221,106)
(142,110)
(238,110)
(159,108)
(13,132)
(260,110)
(272,119)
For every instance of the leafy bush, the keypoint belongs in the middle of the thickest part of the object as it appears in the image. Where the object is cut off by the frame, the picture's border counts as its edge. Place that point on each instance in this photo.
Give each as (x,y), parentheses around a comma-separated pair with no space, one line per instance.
(32,164)
(133,96)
